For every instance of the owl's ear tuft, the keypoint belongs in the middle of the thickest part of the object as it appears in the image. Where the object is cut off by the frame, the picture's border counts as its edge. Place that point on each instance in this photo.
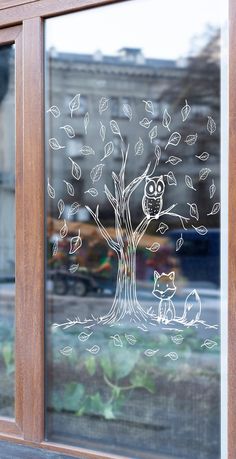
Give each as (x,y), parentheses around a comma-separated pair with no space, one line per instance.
(161,178)
(172,275)
(156,275)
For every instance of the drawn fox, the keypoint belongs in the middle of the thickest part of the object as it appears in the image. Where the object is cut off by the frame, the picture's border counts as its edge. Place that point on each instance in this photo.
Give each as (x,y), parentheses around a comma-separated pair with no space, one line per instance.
(164,289)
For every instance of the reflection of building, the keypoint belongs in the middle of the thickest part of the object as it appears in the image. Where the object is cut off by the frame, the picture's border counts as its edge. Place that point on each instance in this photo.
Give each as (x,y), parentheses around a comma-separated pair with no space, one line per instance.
(128,78)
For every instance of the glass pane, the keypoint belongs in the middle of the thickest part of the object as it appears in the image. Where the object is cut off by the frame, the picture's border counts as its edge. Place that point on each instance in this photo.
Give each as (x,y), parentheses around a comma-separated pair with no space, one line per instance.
(7,229)
(133,173)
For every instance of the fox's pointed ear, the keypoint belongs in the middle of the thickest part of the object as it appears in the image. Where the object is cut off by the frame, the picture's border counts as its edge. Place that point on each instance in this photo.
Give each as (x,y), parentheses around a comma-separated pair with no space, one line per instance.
(172,275)
(156,275)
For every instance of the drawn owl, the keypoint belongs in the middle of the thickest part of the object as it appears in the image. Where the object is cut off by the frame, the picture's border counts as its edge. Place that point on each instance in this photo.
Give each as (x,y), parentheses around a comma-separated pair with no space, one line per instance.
(153,196)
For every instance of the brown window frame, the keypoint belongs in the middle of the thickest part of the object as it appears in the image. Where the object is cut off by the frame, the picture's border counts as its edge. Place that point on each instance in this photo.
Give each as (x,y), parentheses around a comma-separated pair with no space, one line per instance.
(21,22)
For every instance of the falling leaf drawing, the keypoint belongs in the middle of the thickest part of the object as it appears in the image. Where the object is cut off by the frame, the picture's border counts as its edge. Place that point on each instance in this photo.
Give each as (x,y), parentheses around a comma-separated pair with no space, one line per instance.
(54,144)
(64,230)
(55,247)
(117,341)
(61,207)
(189,182)
(86,150)
(108,150)
(154,247)
(171,180)
(145,122)
(139,147)
(179,243)
(174,139)
(185,111)
(166,120)
(74,208)
(173,160)
(211,125)
(203,156)
(66,351)
(75,169)
(177,339)
(115,129)
(86,122)
(215,209)
(162,228)
(203,174)
(149,106)
(127,111)
(102,131)
(153,133)
(74,104)
(103,105)
(209,343)
(54,110)
(75,243)
(92,191)
(151,352)
(131,339)
(172,356)
(191,139)
(202,230)
(158,152)
(70,188)
(73,268)
(212,189)
(94,350)
(68,130)
(51,191)
(193,210)
(84,336)
(96,173)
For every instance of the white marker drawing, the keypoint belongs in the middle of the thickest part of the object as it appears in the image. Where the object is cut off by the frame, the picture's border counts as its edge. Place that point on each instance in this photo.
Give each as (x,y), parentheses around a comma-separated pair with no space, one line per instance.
(103,105)
(51,191)
(84,336)
(86,150)
(152,201)
(92,191)
(64,230)
(193,210)
(173,160)
(209,344)
(55,247)
(215,209)
(164,289)
(54,144)
(162,228)
(150,352)
(54,110)
(96,173)
(172,356)
(68,130)
(174,139)
(86,122)
(127,111)
(75,243)
(189,182)
(211,125)
(70,188)
(203,174)
(74,104)
(108,150)
(74,208)
(177,339)
(202,230)
(102,131)
(73,268)
(179,243)
(139,147)
(192,308)
(149,106)
(145,122)
(154,247)
(171,178)
(75,169)
(203,156)
(94,350)
(166,120)
(212,189)
(131,339)
(191,139)
(185,111)
(66,351)
(61,207)
(153,133)
(117,341)
(115,129)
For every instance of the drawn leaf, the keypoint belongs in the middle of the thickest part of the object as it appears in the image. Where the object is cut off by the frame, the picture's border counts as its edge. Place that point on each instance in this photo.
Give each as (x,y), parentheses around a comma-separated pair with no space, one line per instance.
(189,182)
(177,339)
(158,152)
(68,130)
(74,104)
(115,128)
(103,105)
(185,111)
(102,131)
(84,336)
(191,139)
(75,243)
(61,207)
(55,247)
(92,191)
(54,110)
(145,122)
(139,147)
(96,173)
(74,208)
(108,150)
(203,156)
(172,356)
(150,352)
(179,243)
(149,106)
(212,189)
(51,191)
(162,228)
(211,125)
(154,247)
(66,351)
(75,170)
(153,133)
(94,350)
(166,119)
(174,139)
(64,230)
(209,343)
(86,150)
(70,188)
(73,268)
(131,339)
(171,180)
(215,209)
(202,230)
(203,174)
(54,144)
(117,341)
(173,160)
(194,210)
(86,122)
(127,111)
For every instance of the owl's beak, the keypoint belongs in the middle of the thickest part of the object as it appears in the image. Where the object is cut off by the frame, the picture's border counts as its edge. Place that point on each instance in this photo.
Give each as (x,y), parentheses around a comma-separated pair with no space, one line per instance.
(155,193)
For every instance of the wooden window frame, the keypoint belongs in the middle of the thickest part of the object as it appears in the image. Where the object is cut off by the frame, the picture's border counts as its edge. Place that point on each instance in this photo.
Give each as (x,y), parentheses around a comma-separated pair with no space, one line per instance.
(21,22)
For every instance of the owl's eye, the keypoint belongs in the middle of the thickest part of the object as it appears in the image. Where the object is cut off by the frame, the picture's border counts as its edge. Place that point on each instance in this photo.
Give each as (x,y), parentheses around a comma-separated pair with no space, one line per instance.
(167,285)
(151,188)
(159,188)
